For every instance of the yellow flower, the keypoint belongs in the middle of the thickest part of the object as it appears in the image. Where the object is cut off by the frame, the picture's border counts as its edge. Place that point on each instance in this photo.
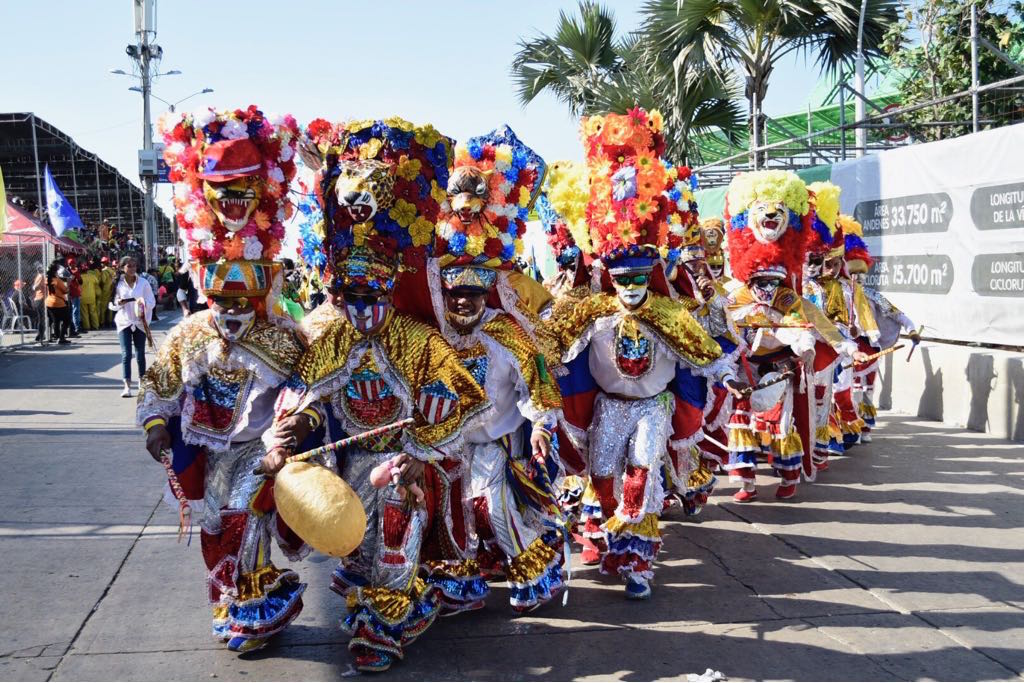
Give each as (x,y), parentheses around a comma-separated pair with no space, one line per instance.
(422,232)
(592,125)
(371,149)
(655,120)
(403,212)
(408,168)
(524,196)
(427,136)
(437,193)
(360,231)
(475,245)
(503,153)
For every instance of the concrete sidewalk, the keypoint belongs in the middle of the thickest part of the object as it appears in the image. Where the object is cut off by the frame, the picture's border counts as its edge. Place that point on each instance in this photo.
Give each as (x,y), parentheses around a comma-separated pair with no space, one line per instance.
(905,562)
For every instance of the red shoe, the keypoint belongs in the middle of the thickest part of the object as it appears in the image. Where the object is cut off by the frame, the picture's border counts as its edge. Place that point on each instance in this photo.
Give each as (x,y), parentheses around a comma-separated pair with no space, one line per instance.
(821,466)
(785,491)
(744,496)
(591,554)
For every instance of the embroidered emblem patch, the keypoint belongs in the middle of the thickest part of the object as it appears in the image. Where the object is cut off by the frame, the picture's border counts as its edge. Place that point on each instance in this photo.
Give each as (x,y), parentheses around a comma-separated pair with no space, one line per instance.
(436,401)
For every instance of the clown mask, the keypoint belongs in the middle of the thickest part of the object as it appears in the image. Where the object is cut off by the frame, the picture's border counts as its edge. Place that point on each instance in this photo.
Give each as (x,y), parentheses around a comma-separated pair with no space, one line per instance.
(233,317)
(366,308)
(234,201)
(813,266)
(768,221)
(631,287)
(763,289)
(468,192)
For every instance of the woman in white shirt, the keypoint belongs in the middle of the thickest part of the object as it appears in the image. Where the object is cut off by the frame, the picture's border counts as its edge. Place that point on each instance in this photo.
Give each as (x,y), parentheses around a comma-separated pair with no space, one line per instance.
(133,303)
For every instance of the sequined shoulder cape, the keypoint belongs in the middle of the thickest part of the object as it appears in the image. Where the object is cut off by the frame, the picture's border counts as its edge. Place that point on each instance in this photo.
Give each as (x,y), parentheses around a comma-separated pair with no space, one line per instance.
(544,395)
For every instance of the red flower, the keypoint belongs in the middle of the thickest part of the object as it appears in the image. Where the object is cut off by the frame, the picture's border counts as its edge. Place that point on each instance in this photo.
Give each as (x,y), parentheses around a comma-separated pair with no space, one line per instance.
(501,223)
(493,247)
(407,190)
(318,128)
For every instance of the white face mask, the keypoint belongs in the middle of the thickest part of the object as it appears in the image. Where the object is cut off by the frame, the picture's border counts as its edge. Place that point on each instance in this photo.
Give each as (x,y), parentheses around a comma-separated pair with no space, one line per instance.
(764,290)
(245,322)
(631,296)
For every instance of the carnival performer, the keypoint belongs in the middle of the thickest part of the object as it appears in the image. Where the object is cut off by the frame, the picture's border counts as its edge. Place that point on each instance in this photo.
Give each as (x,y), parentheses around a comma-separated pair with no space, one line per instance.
(634,359)
(859,325)
(706,299)
(562,207)
(788,338)
(889,320)
(713,230)
(210,394)
(513,463)
(380,185)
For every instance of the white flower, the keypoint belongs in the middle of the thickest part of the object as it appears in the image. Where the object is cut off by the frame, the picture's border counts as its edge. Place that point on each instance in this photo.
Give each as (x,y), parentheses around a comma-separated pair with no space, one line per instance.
(446,230)
(206,245)
(175,149)
(276,174)
(182,191)
(505,187)
(253,249)
(275,119)
(501,165)
(507,239)
(234,130)
(287,152)
(166,123)
(190,214)
(200,234)
(202,117)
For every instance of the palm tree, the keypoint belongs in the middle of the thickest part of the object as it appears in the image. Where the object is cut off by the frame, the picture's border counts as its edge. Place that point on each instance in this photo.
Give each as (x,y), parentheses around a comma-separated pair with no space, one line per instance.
(587,68)
(719,36)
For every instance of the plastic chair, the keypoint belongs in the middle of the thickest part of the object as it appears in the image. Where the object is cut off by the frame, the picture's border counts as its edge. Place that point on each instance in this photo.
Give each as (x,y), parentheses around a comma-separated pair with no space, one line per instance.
(12,321)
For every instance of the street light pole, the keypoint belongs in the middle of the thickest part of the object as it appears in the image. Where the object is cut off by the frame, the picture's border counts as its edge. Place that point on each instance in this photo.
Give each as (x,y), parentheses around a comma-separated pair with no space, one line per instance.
(148,218)
(860,134)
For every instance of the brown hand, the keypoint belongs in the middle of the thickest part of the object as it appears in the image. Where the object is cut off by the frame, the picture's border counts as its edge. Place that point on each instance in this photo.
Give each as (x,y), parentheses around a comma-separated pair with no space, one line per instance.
(158,439)
(737,388)
(860,357)
(272,462)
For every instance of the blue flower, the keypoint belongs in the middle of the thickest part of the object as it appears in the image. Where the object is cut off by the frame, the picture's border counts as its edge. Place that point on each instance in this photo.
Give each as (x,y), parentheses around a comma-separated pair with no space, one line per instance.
(508,251)
(519,158)
(475,149)
(739,221)
(674,194)
(794,220)
(457,244)
(624,184)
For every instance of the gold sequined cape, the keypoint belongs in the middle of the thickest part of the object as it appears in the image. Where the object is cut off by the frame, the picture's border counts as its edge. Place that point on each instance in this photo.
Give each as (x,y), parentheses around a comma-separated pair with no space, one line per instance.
(794,309)
(416,352)
(544,392)
(665,318)
(318,320)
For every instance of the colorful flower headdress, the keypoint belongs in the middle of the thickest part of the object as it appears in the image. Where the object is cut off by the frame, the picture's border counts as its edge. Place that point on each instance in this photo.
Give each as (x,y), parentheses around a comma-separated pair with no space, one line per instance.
(824,203)
(381,186)
(562,207)
(858,256)
(207,148)
(490,192)
(635,197)
(769,215)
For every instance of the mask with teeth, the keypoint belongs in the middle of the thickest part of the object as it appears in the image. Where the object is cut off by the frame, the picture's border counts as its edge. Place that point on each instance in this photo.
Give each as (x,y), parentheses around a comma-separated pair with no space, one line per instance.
(768,221)
(234,201)
(233,327)
(763,289)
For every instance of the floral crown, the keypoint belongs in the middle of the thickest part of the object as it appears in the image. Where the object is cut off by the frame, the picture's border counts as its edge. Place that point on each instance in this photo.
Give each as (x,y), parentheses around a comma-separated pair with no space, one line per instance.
(824,203)
(635,196)
(404,167)
(489,234)
(191,142)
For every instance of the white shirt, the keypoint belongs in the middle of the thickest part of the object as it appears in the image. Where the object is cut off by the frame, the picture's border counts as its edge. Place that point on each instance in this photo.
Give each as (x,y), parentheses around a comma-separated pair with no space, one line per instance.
(128,314)
(606,373)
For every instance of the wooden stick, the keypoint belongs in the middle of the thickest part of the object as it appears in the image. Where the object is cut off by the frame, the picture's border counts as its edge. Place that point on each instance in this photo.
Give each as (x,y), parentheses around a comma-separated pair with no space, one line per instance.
(776,326)
(781,378)
(352,440)
(913,346)
(875,356)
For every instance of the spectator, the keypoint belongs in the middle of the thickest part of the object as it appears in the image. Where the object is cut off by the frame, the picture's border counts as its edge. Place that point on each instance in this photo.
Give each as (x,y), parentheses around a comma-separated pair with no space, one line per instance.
(107,277)
(155,286)
(189,299)
(39,303)
(75,297)
(130,294)
(57,309)
(91,296)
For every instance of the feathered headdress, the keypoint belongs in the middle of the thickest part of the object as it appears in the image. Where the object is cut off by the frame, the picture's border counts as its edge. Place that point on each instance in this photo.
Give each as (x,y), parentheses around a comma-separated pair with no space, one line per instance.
(824,202)
(632,205)
(381,188)
(231,171)
(858,256)
(769,215)
(493,185)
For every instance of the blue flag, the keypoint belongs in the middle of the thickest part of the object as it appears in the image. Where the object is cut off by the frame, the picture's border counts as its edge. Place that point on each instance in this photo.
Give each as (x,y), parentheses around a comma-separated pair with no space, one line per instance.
(62,214)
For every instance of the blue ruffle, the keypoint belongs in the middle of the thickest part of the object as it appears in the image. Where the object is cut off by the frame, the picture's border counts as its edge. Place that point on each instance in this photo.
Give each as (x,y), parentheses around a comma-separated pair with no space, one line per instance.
(742,459)
(423,612)
(461,589)
(266,615)
(792,462)
(539,591)
(850,440)
(835,447)
(628,544)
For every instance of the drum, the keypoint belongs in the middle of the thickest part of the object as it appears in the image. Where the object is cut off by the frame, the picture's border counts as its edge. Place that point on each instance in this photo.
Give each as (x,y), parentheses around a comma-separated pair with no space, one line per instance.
(320,507)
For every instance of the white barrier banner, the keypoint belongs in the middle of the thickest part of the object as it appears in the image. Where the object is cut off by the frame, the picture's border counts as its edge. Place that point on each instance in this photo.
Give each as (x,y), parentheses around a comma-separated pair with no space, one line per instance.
(946,221)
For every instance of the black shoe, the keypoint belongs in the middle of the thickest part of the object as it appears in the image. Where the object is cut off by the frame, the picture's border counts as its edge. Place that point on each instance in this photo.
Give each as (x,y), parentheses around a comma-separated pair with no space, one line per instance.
(63,342)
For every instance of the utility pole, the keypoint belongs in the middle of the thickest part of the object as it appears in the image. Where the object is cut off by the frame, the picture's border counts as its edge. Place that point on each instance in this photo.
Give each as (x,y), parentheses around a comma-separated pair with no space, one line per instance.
(860,134)
(145,52)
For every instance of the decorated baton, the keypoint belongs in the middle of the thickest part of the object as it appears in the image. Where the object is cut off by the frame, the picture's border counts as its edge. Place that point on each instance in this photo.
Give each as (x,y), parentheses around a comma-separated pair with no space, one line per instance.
(776,326)
(184,509)
(358,438)
(876,356)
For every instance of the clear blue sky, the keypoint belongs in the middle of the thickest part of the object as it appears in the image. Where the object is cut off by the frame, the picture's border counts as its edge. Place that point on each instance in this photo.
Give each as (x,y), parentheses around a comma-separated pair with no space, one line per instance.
(446,63)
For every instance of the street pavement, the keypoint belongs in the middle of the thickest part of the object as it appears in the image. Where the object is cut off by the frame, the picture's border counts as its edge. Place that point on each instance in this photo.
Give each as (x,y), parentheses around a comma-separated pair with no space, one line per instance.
(904,562)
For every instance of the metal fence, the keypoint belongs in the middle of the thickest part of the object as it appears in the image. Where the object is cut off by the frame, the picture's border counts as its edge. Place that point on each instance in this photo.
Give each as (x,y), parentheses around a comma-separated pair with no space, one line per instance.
(23,264)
